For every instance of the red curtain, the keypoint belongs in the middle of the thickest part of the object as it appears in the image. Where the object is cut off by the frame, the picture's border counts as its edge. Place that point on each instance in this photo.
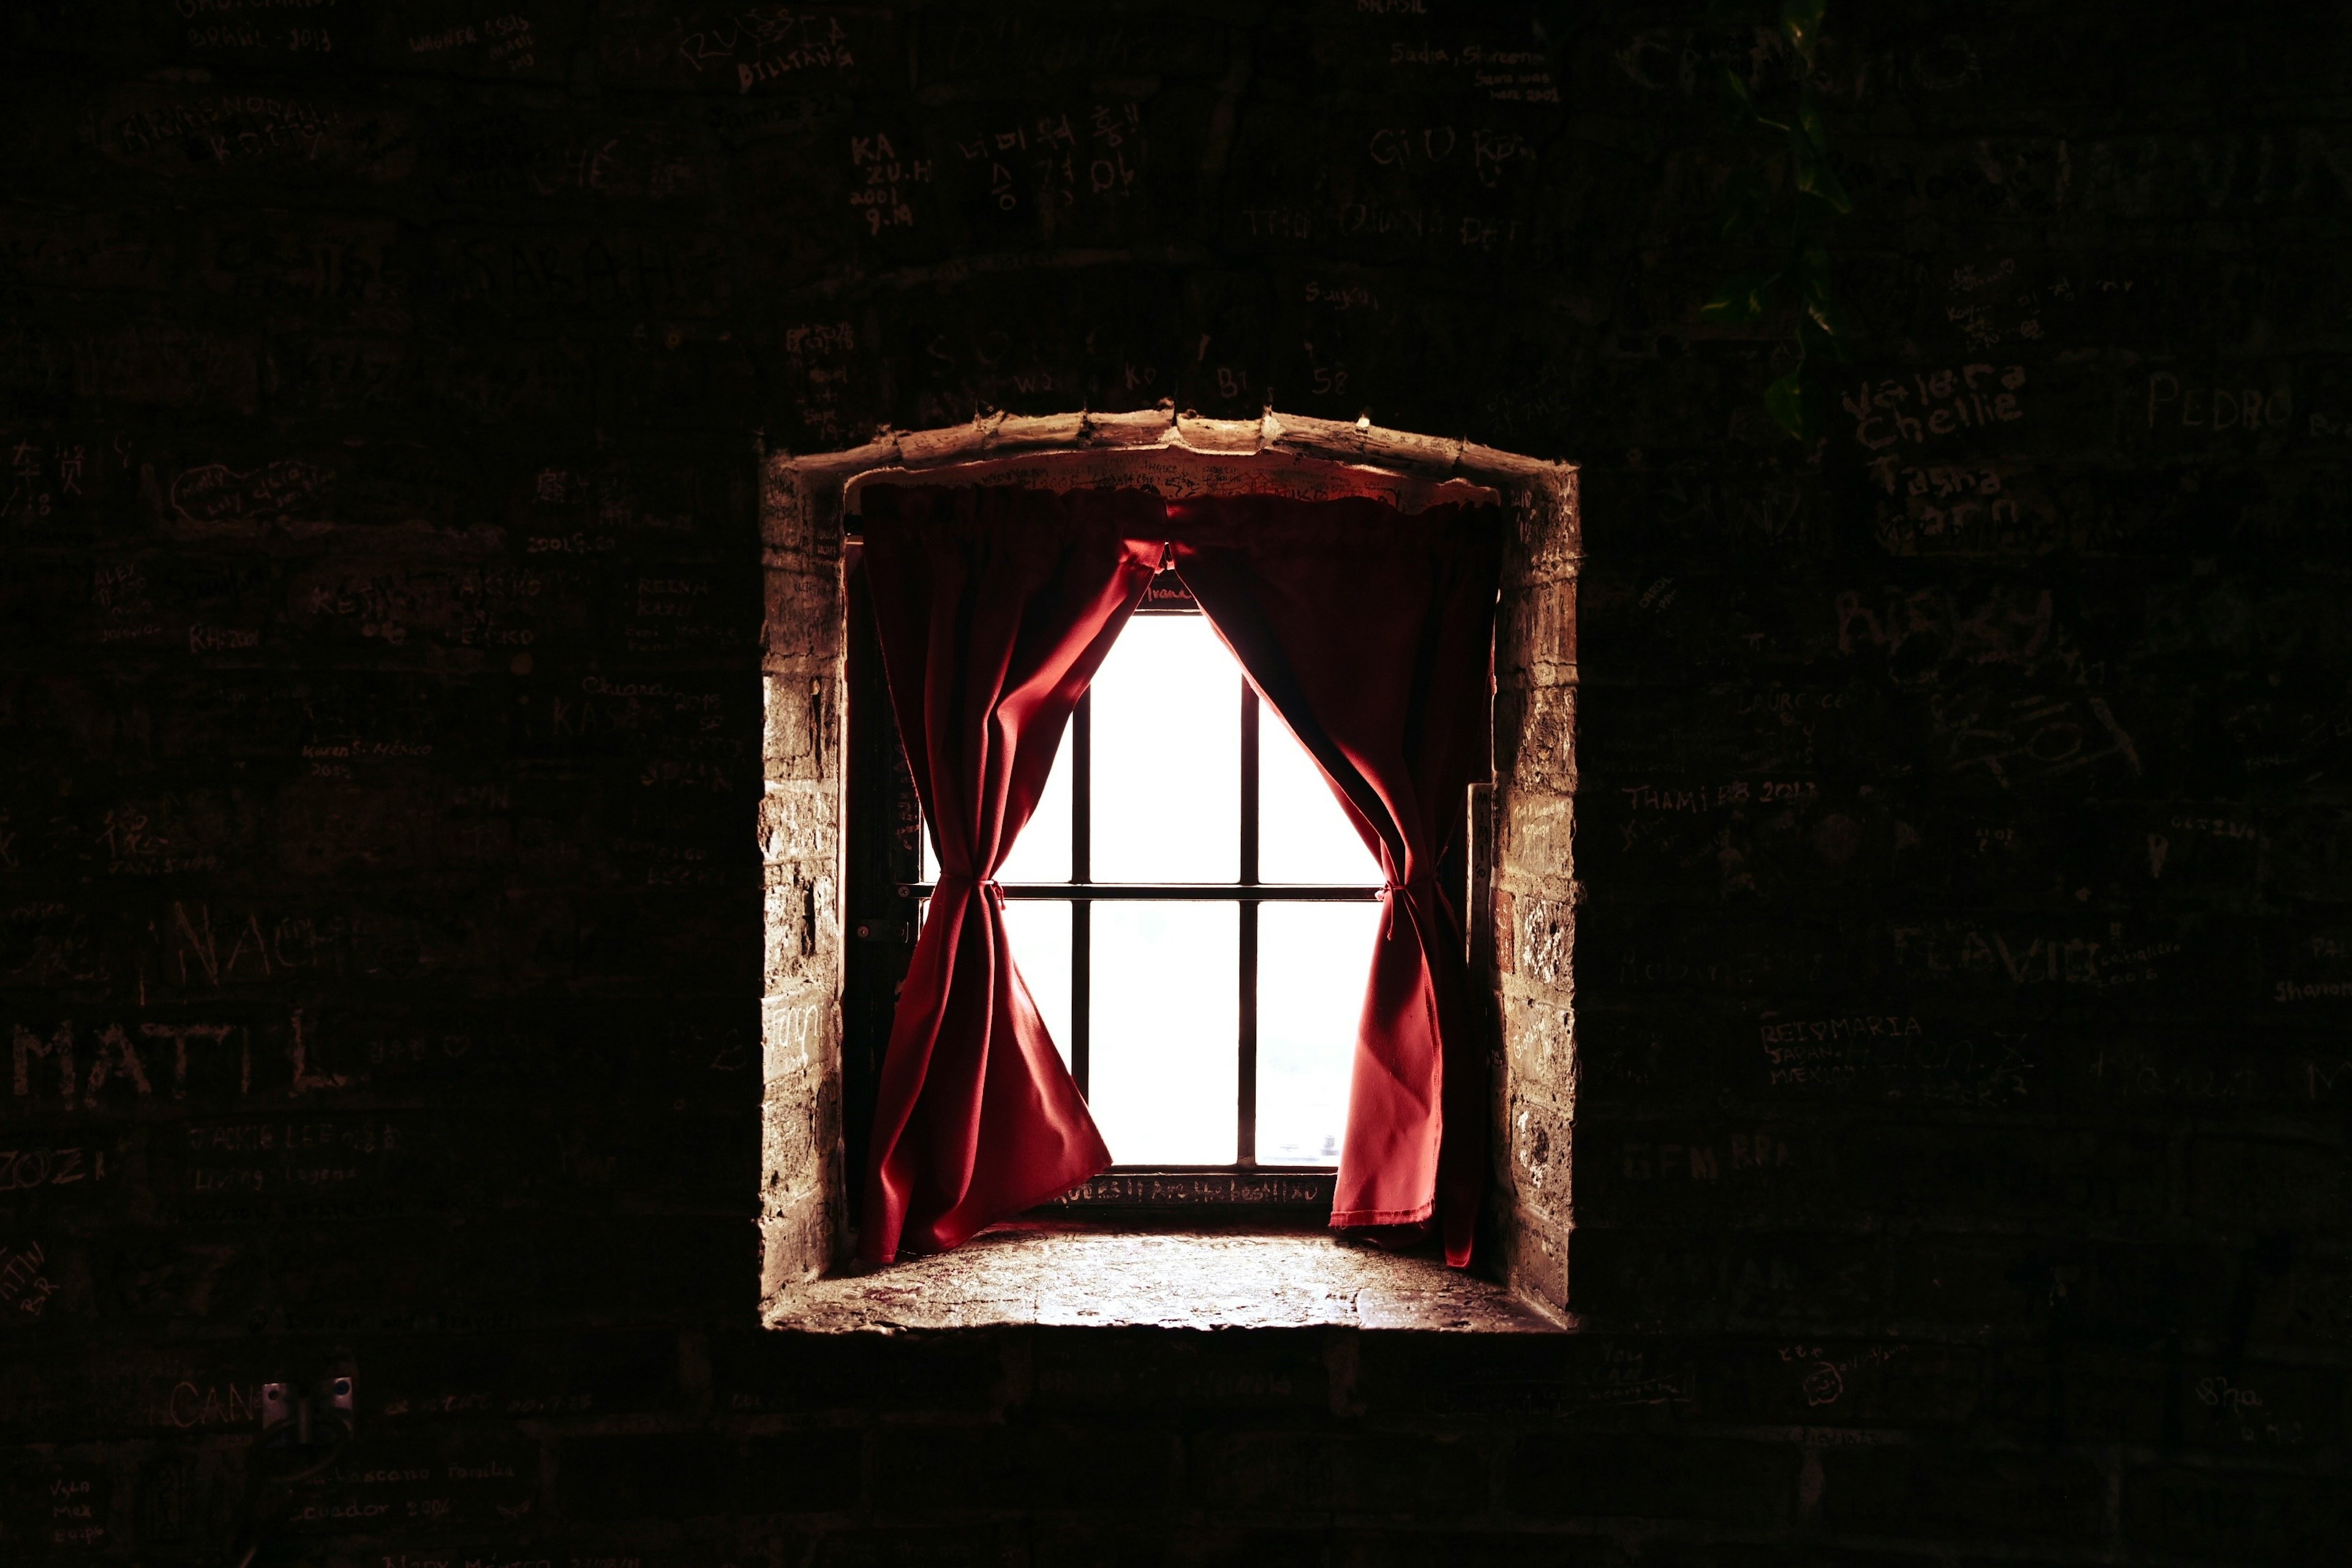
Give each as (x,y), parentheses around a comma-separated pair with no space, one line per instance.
(1370,632)
(994,608)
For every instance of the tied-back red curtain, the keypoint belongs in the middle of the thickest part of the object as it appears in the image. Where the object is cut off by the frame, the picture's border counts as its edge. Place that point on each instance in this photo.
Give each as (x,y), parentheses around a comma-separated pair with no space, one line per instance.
(994,608)
(1371,632)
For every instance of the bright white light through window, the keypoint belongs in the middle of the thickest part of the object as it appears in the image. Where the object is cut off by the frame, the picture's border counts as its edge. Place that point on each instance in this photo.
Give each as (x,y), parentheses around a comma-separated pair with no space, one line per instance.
(1167,755)
(1159,1049)
(1313,962)
(1042,853)
(1304,834)
(1040,932)
(1166,1008)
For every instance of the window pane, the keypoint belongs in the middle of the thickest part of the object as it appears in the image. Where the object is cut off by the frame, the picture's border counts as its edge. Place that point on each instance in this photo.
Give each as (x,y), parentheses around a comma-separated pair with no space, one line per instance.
(1040,929)
(1314,961)
(1165,1043)
(1303,834)
(1166,756)
(1042,853)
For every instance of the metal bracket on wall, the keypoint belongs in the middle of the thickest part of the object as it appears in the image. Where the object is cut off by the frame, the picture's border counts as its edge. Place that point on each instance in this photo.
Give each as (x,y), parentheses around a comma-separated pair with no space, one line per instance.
(304,1428)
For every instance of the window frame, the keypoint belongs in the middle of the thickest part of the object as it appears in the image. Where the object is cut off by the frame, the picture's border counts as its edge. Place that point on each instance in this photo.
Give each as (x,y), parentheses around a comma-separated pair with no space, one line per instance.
(1523,895)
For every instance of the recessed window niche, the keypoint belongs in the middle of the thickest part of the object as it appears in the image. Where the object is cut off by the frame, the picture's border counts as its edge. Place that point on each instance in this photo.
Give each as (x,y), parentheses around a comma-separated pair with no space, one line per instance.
(1521,870)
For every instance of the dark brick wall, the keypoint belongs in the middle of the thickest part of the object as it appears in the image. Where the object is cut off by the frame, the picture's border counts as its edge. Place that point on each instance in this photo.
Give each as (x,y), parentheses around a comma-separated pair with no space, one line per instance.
(1964,964)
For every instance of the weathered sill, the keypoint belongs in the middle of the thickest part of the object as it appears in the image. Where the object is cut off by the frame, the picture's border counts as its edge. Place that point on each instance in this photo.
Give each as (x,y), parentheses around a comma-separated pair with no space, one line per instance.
(1072,1273)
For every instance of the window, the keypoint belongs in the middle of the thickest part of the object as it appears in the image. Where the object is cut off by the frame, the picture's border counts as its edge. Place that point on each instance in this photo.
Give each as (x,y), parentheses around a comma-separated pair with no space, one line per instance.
(840,834)
(1192,912)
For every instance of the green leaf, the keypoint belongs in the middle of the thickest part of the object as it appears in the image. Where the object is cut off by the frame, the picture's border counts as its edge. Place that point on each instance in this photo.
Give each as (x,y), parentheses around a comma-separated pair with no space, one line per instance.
(1813,176)
(1784,400)
(1808,120)
(1835,320)
(1740,297)
(1811,266)
(1747,197)
(1822,184)
(1801,24)
(1737,98)
(1824,330)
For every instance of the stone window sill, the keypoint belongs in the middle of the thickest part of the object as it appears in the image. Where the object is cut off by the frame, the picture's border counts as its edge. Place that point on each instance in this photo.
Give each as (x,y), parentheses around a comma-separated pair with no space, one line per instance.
(1079,1274)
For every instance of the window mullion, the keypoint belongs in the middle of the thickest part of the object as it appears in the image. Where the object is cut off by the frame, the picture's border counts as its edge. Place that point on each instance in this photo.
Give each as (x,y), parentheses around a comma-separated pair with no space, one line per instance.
(1082,944)
(1245,1109)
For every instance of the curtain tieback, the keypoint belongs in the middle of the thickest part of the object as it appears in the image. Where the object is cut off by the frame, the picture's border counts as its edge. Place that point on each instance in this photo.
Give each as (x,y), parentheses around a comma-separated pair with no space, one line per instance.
(1388,890)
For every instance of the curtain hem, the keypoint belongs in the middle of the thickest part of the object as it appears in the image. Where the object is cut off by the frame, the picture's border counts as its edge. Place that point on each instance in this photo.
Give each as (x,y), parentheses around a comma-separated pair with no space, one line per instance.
(1345,1217)
(1022,1207)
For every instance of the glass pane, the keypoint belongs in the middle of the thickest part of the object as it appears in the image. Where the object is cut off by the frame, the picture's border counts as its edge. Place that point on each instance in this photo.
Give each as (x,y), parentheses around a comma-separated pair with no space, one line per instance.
(1313,964)
(1040,930)
(1165,1041)
(1303,833)
(1167,757)
(1042,853)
